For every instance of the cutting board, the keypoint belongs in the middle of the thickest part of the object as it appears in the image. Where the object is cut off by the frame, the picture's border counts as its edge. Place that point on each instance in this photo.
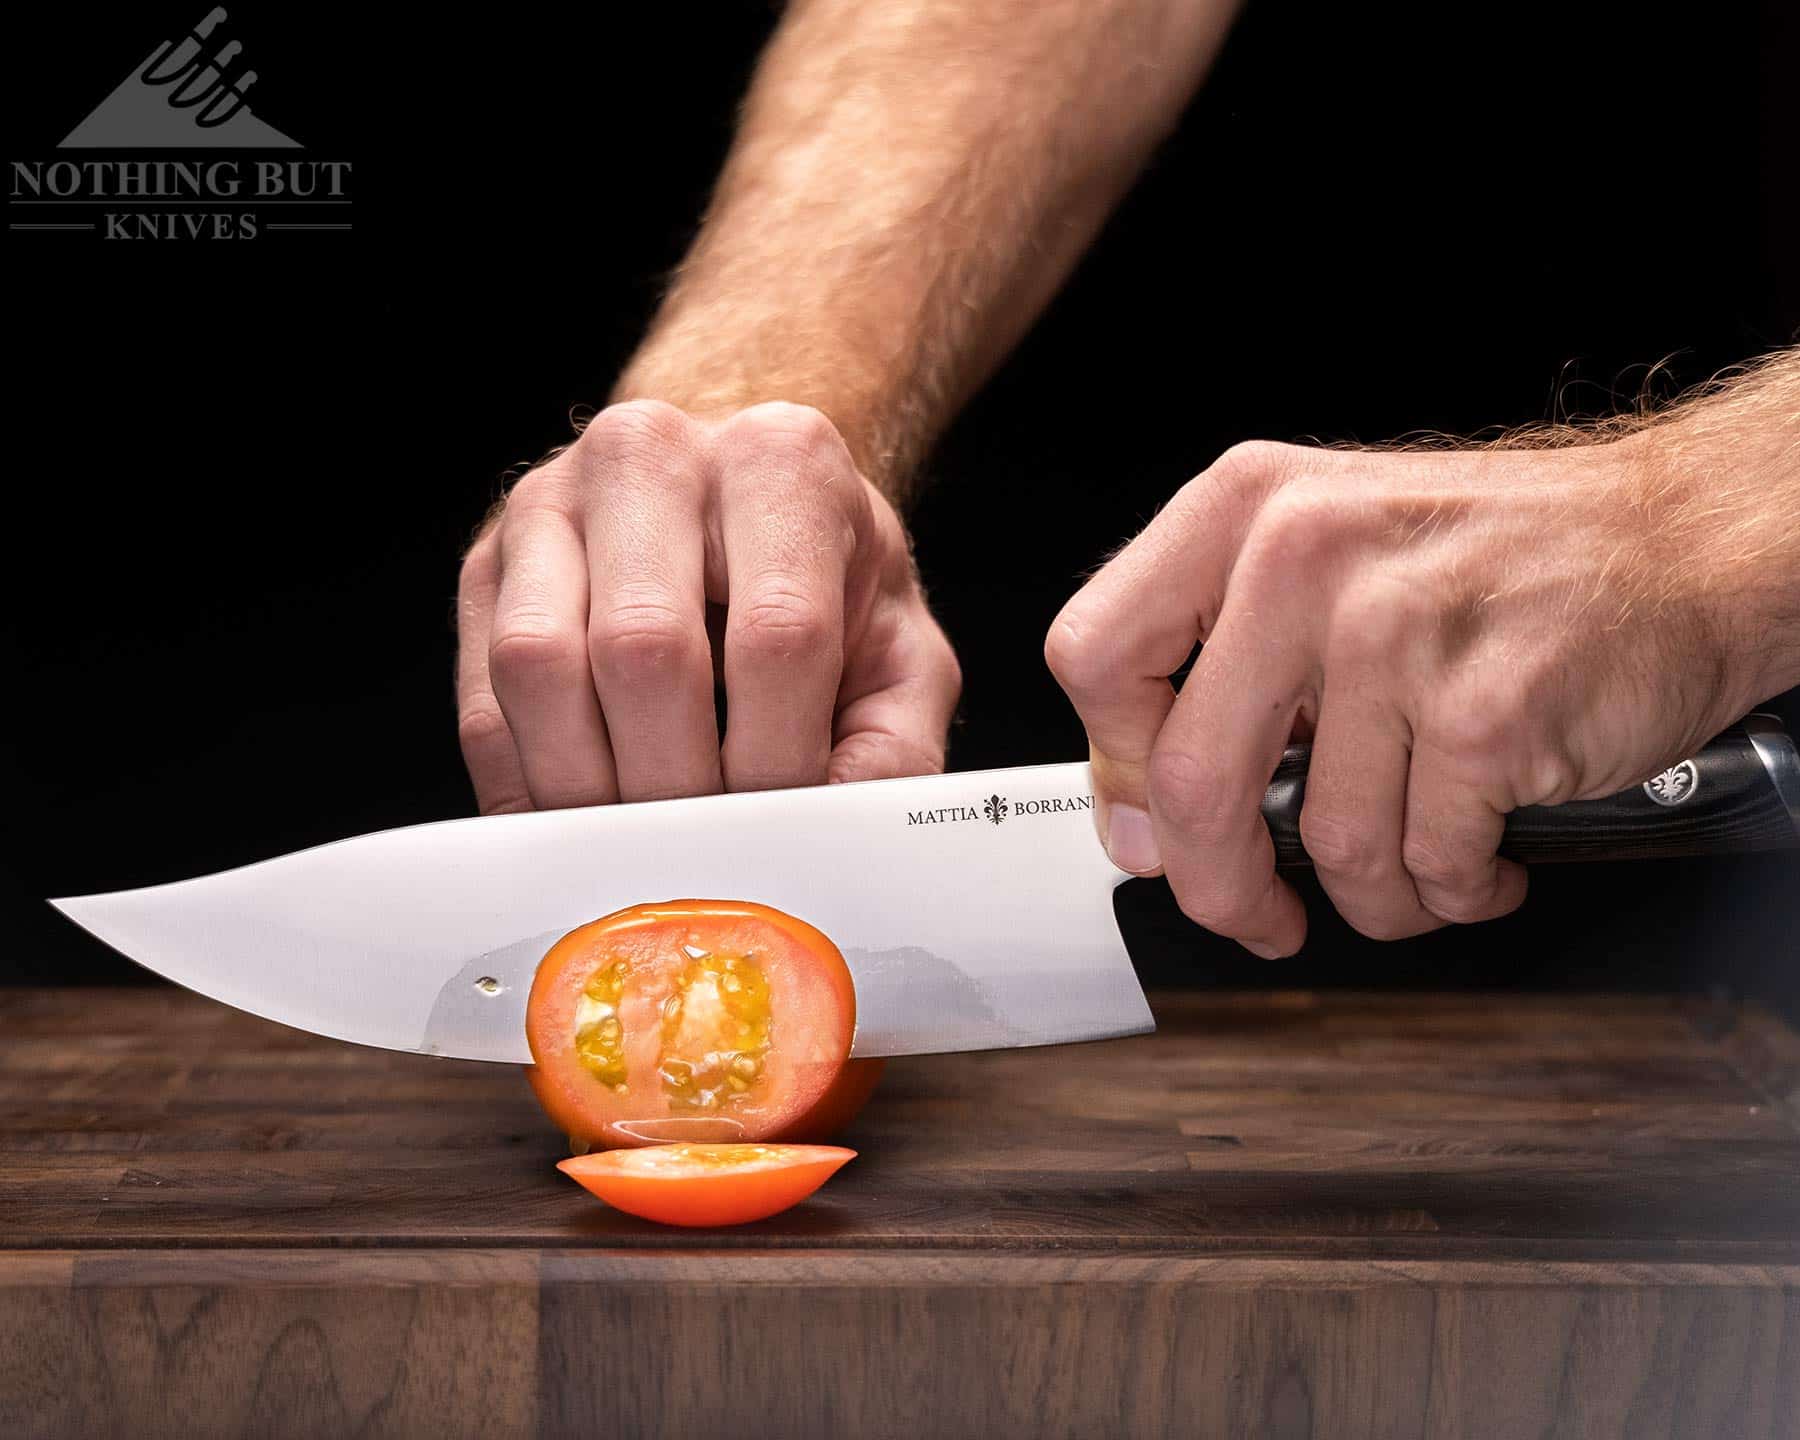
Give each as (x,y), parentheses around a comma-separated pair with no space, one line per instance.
(1282,1215)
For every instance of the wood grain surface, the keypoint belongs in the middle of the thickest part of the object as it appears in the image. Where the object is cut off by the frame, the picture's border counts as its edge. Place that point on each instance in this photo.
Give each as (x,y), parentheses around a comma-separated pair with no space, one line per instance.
(1282,1215)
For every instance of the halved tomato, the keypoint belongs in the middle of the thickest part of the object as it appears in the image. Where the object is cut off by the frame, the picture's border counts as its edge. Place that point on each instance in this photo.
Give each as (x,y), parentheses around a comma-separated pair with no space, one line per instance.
(695,1020)
(707,1184)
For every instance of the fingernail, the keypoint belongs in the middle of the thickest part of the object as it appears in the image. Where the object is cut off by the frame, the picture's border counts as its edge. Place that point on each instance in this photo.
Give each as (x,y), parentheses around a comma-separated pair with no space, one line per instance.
(1262,951)
(1130,841)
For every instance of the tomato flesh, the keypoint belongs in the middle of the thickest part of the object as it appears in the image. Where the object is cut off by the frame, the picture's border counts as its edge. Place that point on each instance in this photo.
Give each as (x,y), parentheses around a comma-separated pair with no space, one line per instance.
(695,1021)
(707,1184)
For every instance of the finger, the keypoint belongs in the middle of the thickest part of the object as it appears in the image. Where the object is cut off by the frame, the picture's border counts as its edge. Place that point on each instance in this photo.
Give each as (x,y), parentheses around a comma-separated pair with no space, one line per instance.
(1208,772)
(647,640)
(1114,646)
(1354,817)
(538,659)
(1452,835)
(895,709)
(487,743)
(788,526)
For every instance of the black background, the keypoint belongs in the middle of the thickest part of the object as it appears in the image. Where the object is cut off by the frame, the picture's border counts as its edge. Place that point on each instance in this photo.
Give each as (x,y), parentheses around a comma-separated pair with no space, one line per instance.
(240,474)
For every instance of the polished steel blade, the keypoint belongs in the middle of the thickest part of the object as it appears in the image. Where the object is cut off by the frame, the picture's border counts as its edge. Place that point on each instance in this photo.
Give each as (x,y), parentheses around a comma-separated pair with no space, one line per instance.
(975,911)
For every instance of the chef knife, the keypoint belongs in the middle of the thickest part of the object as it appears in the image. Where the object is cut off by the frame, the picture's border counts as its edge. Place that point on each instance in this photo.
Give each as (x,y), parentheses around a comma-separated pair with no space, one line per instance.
(974,909)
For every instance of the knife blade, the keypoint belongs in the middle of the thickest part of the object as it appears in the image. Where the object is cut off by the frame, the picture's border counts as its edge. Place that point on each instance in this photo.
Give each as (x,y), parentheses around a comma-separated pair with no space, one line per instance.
(974,911)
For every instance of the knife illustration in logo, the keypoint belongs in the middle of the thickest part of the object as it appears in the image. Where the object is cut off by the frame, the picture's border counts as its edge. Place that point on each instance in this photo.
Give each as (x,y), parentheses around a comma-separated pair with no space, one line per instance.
(188,94)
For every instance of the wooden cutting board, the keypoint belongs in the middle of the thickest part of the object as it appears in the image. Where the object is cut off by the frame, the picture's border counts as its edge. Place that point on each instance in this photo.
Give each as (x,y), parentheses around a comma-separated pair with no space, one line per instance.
(1287,1214)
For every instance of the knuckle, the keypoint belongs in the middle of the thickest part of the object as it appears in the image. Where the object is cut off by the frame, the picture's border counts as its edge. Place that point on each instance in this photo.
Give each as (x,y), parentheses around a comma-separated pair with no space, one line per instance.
(1255,461)
(1298,528)
(784,422)
(780,627)
(871,756)
(1182,796)
(637,424)
(480,728)
(1234,485)
(1338,844)
(1077,661)
(525,654)
(477,563)
(875,522)
(551,483)
(1500,732)
(637,642)
(480,566)
(1381,926)
(1376,622)
(1209,909)
(1553,778)
(1438,869)
(506,805)
(487,533)
(937,658)
(531,488)
(1483,732)
(1461,907)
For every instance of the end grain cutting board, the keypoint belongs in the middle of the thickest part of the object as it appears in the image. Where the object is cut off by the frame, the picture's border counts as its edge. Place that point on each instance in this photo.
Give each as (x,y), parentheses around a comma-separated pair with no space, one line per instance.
(1290,1214)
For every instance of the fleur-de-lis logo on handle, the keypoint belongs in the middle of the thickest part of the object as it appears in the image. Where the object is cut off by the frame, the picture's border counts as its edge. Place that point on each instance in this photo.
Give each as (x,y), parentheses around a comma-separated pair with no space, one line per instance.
(994,807)
(1674,785)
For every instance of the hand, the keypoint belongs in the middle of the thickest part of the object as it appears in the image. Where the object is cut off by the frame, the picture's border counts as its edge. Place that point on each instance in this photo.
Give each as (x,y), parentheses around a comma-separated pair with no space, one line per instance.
(1462,632)
(585,671)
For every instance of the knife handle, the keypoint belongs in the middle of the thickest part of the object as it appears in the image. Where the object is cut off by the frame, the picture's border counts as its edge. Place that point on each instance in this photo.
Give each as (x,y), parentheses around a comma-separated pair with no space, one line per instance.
(1741,793)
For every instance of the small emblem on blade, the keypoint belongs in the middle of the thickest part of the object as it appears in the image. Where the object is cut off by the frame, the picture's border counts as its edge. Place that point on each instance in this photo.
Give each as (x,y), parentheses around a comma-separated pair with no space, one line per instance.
(994,807)
(1674,785)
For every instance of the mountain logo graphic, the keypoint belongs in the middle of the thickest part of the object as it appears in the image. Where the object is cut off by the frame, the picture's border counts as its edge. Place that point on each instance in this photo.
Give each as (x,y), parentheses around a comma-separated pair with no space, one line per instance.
(187,95)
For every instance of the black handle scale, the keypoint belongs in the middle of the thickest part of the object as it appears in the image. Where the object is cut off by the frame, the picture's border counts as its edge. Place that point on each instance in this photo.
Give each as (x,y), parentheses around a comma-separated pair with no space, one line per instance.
(1725,800)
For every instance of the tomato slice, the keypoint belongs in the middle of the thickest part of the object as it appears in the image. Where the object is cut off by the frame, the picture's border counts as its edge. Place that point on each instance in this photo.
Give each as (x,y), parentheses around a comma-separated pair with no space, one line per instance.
(707,1021)
(707,1184)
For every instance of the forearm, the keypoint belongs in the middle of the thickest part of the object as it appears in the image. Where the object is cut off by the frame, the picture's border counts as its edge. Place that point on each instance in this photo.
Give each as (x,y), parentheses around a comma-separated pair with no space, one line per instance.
(910,185)
(1721,481)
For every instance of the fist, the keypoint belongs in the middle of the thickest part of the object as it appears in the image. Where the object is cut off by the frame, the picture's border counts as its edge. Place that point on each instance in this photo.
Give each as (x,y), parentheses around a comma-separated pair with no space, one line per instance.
(1461,632)
(664,555)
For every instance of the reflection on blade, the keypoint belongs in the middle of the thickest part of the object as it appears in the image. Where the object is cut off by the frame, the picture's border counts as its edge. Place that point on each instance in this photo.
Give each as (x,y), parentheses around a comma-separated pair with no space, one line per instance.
(974,910)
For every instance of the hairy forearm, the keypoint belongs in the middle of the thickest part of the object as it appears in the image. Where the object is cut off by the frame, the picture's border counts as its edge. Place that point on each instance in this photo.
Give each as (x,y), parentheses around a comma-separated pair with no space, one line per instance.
(910,184)
(1725,471)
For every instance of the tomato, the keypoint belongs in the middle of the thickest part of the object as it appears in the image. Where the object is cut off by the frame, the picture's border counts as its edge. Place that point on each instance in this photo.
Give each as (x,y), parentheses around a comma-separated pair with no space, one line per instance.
(695,1020)
(707,1184)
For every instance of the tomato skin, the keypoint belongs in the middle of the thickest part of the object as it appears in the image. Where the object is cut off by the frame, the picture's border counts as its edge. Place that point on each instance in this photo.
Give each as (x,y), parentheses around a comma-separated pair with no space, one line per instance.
(657,1183)
(840,1105)
(812,1089)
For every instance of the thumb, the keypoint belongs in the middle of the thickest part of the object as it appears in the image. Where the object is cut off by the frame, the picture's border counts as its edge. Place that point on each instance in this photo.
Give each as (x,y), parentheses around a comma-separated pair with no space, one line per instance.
(1122,810)
(1117,681)
(1122,708)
